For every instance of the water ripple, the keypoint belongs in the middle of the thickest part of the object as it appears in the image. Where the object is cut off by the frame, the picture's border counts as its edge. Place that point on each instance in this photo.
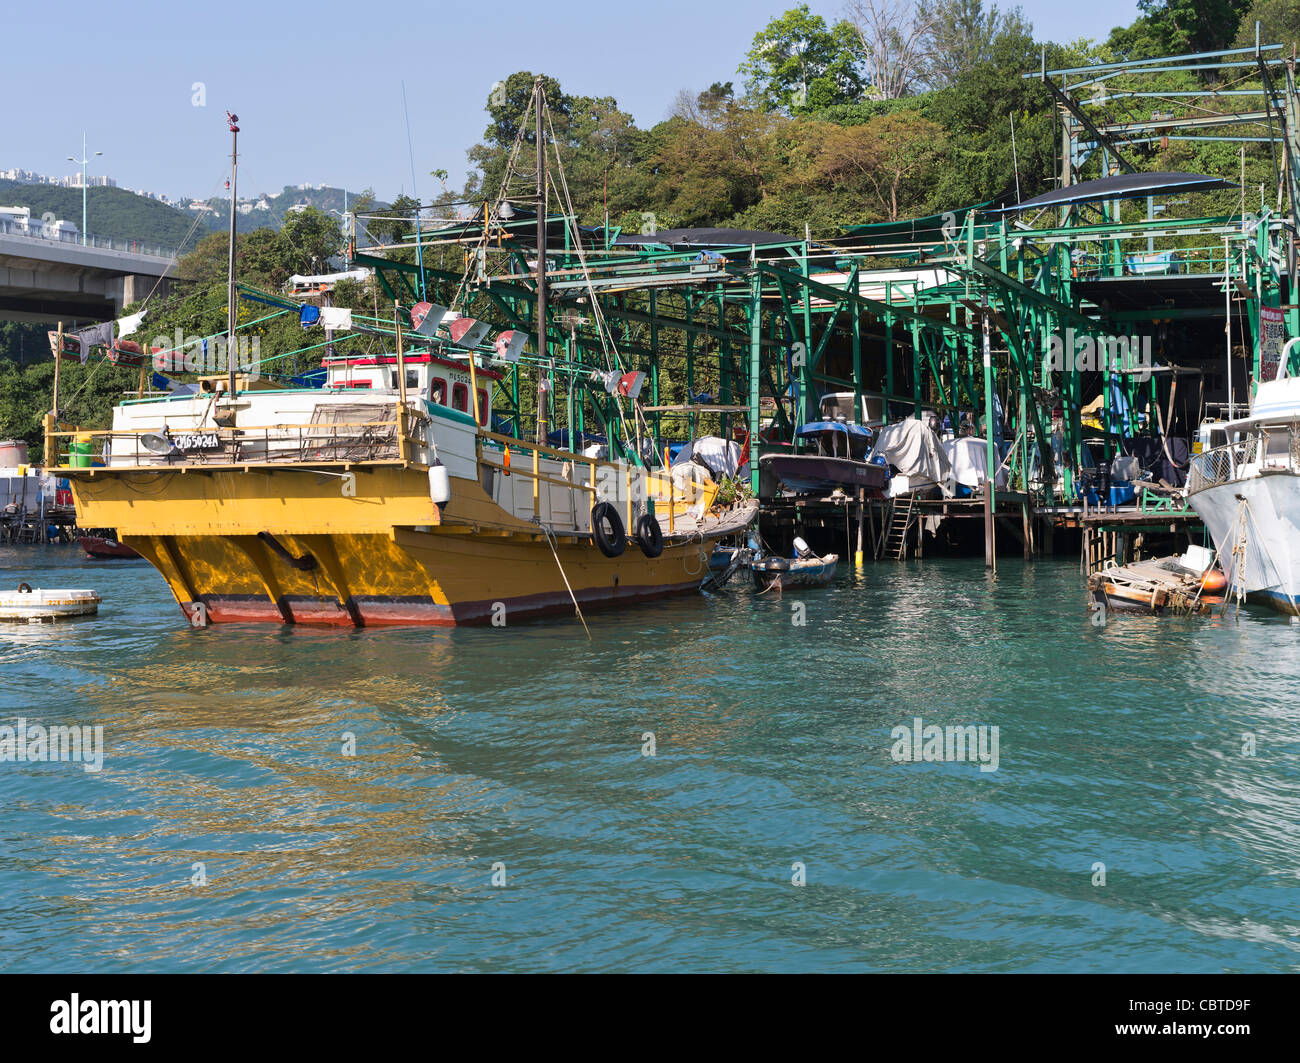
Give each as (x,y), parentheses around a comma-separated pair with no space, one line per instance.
(483,753)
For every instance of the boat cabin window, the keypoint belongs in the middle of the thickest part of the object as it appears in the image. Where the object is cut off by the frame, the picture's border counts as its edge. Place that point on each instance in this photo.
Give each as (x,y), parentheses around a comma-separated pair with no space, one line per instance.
(482,406)
(460,398)
(837,407)
(1279,442)
(412,378)
(438,390)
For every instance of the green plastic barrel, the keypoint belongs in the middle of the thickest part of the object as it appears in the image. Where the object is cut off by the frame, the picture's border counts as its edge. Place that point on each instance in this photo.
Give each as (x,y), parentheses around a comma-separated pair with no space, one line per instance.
(80,452)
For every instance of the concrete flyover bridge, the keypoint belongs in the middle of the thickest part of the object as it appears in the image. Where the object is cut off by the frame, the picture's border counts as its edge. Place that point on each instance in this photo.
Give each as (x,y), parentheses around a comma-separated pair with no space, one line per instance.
(59,280)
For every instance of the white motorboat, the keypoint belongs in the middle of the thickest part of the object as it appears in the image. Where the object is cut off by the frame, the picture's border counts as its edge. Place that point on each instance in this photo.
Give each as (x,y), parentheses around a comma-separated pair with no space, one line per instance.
(1247,491)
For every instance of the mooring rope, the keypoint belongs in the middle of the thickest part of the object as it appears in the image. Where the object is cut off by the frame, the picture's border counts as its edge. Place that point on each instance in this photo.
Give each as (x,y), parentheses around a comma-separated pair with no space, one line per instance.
(551,543)
(1245,506)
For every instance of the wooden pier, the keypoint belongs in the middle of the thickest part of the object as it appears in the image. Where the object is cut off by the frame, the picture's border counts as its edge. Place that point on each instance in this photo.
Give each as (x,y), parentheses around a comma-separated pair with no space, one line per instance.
(910,527)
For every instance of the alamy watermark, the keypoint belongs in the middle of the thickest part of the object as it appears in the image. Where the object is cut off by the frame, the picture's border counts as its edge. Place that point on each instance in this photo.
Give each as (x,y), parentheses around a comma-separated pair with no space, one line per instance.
(1130,355)
(207,354)
(959,744)
(32,744)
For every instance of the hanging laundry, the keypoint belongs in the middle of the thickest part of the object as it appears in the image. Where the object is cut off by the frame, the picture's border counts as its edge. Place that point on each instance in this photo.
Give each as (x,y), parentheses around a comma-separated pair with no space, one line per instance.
(100,335)
(309,315)
(127,325)
(335,317)
(71,349)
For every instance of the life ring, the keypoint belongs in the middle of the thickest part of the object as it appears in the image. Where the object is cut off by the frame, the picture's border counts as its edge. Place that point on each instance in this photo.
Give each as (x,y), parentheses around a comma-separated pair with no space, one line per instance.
(612,540)
(776,564)
(649,535)
(24,588)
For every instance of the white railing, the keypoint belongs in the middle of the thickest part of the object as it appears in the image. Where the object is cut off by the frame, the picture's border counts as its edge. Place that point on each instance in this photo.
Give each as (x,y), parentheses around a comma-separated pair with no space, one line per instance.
(1268,448)
(37,230)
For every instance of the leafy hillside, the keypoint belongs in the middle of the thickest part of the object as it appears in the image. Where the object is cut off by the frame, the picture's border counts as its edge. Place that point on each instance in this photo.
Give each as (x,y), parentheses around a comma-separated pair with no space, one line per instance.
(112,212)
(123,215)
(326,200)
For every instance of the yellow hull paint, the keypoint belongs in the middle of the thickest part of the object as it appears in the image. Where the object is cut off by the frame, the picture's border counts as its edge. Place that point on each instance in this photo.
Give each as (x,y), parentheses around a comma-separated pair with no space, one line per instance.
(286,545)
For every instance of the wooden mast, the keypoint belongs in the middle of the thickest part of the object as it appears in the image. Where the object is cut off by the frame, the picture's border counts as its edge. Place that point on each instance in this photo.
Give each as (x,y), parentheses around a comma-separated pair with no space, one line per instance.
(539,100)
(232,312)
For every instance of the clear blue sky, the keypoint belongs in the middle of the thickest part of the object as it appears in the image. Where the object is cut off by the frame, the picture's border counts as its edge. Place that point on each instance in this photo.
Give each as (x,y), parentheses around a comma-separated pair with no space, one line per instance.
(318,86)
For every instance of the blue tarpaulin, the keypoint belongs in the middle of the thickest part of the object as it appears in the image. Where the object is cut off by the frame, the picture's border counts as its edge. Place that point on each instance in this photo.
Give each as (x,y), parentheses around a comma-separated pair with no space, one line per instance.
(813,427)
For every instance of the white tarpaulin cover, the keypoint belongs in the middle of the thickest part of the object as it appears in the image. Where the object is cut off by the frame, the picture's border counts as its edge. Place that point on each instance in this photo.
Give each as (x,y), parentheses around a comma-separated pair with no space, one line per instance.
(720,456)
(969,459)
(335,317)
(914,450)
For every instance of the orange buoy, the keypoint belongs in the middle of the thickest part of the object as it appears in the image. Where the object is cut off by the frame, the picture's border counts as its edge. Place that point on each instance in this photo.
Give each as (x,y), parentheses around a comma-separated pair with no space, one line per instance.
(505,462)
(1213,580)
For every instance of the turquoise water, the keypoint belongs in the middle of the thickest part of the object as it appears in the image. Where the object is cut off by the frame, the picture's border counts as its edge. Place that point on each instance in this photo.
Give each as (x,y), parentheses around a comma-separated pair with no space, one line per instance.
(523,747)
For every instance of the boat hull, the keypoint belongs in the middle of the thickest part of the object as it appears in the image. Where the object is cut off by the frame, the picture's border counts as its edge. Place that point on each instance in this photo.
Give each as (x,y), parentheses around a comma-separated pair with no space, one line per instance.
(816,572)
(809,473)
(286,546)
(97,546)
(1264,511)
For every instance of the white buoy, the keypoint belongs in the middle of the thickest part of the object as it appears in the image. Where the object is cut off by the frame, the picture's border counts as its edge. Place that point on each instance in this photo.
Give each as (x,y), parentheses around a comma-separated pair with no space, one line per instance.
(33,606)
(439,483)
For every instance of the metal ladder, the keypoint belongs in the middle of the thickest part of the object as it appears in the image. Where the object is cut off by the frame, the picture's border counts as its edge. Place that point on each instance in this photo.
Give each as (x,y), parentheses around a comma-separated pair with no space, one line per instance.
(900,523)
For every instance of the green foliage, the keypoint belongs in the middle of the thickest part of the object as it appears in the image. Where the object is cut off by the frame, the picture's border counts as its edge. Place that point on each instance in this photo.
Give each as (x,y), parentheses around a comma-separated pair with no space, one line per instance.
(1192,25)
(797,63)
(112,212)
(87,395)
(964,36)
(1279,23)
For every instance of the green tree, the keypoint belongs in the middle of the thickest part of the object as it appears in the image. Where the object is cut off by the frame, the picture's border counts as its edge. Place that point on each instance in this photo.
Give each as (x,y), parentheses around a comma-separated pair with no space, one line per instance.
(1184,26)
(1279,23)
(711,160)
(893,159)
(507,105)
(976,111)
(797,63)
(963,34)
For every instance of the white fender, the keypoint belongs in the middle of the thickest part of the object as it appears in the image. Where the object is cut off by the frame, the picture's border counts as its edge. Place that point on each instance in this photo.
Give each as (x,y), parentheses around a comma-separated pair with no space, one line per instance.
(439,483)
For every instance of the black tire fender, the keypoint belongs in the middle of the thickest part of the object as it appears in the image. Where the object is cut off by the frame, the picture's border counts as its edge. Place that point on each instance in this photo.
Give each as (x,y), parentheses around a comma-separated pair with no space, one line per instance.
(649,535)
(611,540)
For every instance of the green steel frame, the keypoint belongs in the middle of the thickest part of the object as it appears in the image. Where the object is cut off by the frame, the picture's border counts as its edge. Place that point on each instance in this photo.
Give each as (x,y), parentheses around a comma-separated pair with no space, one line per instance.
(926,314)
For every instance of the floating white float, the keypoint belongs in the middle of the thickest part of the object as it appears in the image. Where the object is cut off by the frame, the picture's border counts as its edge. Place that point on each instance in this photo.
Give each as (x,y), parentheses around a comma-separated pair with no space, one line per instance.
(35,606)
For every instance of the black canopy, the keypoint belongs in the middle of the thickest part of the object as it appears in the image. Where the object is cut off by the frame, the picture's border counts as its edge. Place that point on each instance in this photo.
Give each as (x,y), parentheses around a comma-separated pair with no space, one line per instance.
(703,238)
(1124,186)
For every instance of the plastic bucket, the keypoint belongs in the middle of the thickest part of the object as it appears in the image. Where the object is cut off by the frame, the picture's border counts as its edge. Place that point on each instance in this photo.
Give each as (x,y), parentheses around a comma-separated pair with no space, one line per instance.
(80,452)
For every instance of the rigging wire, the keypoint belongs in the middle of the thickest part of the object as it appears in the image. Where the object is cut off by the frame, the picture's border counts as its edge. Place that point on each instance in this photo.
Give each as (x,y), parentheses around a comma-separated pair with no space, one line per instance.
(410,149)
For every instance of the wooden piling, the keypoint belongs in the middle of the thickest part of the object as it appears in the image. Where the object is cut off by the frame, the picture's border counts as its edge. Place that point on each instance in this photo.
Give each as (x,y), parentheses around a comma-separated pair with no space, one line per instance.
(990,548)
(857,556)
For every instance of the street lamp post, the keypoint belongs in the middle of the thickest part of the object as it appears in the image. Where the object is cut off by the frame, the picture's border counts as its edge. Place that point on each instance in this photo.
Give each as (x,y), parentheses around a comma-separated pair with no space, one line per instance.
(83,161)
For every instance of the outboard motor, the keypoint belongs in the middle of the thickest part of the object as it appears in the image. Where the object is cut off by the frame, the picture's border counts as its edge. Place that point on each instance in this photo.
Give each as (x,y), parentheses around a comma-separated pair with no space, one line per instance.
(801,548)
(1103,484)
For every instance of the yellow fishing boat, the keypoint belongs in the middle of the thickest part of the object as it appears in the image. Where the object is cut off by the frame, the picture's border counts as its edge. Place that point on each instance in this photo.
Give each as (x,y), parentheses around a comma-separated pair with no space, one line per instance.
(376,505)
(384,497)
